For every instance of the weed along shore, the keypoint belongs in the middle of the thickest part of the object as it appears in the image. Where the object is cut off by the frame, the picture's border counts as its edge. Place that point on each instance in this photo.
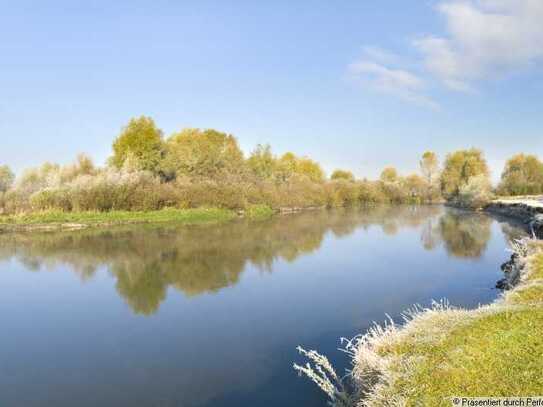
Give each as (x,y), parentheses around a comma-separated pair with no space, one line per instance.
(60,220)
(442,351)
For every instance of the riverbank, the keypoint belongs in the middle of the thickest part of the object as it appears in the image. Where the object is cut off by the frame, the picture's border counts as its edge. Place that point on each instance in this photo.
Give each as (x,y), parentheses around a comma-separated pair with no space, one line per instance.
(60,220)
(443,352)
(527,210)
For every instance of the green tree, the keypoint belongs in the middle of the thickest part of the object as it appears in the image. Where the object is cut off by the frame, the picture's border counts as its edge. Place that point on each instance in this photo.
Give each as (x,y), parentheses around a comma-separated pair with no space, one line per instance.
(6,178)
(459,167)
(203,154)
(522,175)
(342,174)
(141,141)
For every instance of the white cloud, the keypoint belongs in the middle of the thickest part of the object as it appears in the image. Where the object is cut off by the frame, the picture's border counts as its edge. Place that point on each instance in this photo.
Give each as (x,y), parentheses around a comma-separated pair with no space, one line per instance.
(398,82)
(380,55)
(484,38)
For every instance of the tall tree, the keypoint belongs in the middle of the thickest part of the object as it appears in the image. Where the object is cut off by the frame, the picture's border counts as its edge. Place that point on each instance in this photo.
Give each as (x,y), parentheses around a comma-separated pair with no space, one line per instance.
(459,167)
(203,154)
(429,166)
(141,141)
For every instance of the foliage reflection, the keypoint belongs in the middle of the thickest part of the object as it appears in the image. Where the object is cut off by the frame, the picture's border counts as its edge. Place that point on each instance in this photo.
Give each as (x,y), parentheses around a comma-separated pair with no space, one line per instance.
(146,260)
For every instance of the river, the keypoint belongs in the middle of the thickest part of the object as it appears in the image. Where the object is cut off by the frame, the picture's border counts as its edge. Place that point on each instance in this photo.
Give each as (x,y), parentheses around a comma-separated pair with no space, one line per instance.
(165,315)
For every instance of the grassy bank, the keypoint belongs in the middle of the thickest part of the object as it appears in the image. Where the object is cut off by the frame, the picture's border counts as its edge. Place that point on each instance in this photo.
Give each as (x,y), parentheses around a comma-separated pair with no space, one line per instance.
(74,220)
(442,352)
(492,351)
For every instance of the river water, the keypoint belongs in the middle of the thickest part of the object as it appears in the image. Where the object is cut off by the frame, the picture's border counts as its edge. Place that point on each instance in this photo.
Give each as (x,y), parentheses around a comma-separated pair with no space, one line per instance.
(163,315)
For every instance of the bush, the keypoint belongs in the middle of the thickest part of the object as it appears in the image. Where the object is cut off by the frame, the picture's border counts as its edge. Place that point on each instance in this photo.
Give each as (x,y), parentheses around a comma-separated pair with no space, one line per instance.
(476,193)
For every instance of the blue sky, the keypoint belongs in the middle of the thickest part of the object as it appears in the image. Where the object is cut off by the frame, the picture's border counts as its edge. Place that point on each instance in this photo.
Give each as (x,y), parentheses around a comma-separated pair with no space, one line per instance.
(354,84)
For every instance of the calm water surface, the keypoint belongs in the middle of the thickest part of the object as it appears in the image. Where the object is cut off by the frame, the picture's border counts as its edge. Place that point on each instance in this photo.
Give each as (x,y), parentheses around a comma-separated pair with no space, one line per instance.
(211,315)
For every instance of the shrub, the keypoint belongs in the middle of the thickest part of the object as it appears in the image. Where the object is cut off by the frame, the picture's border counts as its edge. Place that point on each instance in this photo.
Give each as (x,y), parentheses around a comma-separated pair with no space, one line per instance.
(476,193)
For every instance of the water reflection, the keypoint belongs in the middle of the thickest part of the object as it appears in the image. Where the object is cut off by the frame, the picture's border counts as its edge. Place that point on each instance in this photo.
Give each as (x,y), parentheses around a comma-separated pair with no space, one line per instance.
(146,260)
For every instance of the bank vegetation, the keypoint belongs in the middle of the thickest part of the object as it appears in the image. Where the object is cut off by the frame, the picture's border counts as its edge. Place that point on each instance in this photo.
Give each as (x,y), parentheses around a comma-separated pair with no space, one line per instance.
(196,168)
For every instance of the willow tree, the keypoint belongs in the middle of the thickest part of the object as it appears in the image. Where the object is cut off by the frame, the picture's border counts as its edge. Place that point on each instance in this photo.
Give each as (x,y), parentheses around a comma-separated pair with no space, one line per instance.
(459,168)
(140,142)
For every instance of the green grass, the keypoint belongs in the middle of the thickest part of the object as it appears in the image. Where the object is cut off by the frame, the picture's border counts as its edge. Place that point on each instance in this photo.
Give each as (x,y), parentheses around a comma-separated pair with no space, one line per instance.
(259,212)
(186,216)
(498,353)
(537,268)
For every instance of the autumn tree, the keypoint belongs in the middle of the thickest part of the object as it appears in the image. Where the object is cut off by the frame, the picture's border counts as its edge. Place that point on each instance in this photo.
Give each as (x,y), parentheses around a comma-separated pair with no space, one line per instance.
(261,162)
(141,141)
(416,187)
(203,154)
(343,175)
(522,175)
(6,178)
(389,174)
(309,168)
(458,168)
(429,166)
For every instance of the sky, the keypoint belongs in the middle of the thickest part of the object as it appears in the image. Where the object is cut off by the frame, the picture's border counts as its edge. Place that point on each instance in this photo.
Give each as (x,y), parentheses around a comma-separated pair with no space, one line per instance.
(353,84)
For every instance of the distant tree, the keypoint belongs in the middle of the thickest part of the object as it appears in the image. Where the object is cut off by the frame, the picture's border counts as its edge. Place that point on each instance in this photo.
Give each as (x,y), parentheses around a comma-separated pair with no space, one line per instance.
(261,162)
(309,168)
(522,175)
(416,187)
(429,166)
(389,174)
(289,164)
(6,178)
(286,166)
(342,174)
(203,153)
(83,165)
(459,167)
(141,139)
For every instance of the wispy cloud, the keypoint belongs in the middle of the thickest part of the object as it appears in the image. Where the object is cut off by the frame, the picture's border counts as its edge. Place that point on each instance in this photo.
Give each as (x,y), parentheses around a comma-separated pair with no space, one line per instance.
(374,70)
(485,38)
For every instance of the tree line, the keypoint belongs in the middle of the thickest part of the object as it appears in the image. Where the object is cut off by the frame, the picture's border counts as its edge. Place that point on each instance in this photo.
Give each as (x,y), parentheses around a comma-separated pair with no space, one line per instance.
(195,167)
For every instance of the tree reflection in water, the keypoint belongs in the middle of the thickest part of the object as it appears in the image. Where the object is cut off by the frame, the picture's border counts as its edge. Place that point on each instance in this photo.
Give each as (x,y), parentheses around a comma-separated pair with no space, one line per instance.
(145,260)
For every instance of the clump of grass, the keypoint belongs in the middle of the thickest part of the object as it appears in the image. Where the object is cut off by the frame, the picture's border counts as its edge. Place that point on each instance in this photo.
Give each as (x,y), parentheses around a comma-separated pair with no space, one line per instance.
(324,375)
(259,212)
